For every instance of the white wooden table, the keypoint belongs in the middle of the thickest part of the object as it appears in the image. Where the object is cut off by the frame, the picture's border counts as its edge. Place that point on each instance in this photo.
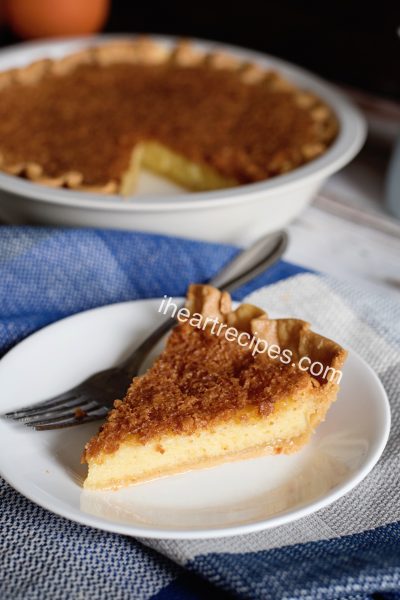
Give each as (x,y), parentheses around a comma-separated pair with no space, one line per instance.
(334,238)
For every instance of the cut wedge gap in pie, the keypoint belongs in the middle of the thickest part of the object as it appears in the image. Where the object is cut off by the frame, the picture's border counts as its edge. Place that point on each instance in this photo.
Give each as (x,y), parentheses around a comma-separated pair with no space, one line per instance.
(204,119)
(211,398)
(161,160)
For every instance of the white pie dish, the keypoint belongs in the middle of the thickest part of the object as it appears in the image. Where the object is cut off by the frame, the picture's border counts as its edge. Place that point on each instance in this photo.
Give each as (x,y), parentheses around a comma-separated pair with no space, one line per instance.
(231,215)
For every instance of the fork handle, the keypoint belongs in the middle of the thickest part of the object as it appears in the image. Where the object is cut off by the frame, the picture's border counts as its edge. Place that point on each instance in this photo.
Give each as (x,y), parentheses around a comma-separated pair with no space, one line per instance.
(251,261)
(244,267)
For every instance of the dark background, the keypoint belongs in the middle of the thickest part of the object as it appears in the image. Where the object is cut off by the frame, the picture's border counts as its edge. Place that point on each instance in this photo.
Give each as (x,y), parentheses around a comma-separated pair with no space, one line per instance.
(356,43)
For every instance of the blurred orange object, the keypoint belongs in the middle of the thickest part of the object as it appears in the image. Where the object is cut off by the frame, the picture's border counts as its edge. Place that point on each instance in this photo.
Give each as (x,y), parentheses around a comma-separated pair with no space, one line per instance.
(50,18)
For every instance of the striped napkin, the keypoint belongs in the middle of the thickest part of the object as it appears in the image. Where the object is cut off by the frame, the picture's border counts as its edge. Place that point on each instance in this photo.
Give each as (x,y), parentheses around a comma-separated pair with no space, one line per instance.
(349,551)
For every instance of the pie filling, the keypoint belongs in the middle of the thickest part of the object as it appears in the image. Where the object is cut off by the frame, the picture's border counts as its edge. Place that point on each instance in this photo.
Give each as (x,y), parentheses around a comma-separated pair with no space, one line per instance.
(208,400)
(205,120)
(287,428)
(163,161)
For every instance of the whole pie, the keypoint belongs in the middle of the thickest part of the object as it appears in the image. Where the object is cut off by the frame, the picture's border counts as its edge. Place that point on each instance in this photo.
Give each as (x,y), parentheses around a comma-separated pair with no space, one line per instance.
(210,397)
(206,120)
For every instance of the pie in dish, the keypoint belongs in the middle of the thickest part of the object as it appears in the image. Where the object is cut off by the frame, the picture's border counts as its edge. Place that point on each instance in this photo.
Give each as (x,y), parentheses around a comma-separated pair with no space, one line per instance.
(210,398)
(91,120)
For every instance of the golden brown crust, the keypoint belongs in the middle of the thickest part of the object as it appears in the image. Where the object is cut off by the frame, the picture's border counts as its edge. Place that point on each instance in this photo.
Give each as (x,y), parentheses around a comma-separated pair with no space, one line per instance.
(69,63)
(292,334)
(185,55)
(313,121)
(202,378)
(142,50)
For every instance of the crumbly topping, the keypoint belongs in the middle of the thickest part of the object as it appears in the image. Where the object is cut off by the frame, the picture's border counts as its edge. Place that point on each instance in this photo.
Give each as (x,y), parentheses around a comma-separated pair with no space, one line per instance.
(88,120)
(200,379)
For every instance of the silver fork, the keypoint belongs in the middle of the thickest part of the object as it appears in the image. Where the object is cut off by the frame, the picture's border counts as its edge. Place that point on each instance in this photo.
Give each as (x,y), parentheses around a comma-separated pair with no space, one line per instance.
(92,399)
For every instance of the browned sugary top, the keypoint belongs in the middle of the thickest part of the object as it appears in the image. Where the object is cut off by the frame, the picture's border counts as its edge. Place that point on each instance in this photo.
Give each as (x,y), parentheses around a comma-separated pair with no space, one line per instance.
(200,379)
(89,120)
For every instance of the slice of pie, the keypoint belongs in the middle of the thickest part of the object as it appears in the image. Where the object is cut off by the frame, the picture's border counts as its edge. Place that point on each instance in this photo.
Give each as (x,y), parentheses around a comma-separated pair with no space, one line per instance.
(229,385)
(206,120)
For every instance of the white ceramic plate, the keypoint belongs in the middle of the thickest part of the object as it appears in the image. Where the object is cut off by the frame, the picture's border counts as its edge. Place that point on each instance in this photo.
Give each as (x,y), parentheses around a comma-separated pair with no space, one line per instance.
(225,500)
(164,208)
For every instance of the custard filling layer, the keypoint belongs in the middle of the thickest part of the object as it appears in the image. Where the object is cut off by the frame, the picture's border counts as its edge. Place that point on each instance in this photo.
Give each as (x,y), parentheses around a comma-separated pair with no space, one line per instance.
(247,434)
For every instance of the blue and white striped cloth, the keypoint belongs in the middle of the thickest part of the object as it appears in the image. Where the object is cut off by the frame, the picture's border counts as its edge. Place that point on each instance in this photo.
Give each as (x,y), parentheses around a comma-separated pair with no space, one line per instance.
(349,551)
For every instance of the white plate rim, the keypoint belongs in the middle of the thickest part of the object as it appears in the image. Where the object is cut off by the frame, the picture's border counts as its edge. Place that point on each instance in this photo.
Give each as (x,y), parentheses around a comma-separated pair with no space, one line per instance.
(289,516)
(351,137)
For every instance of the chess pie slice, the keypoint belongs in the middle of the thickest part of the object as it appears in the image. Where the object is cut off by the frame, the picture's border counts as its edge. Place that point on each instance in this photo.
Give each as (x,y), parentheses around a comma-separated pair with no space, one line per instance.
(230,384)
(91,120)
